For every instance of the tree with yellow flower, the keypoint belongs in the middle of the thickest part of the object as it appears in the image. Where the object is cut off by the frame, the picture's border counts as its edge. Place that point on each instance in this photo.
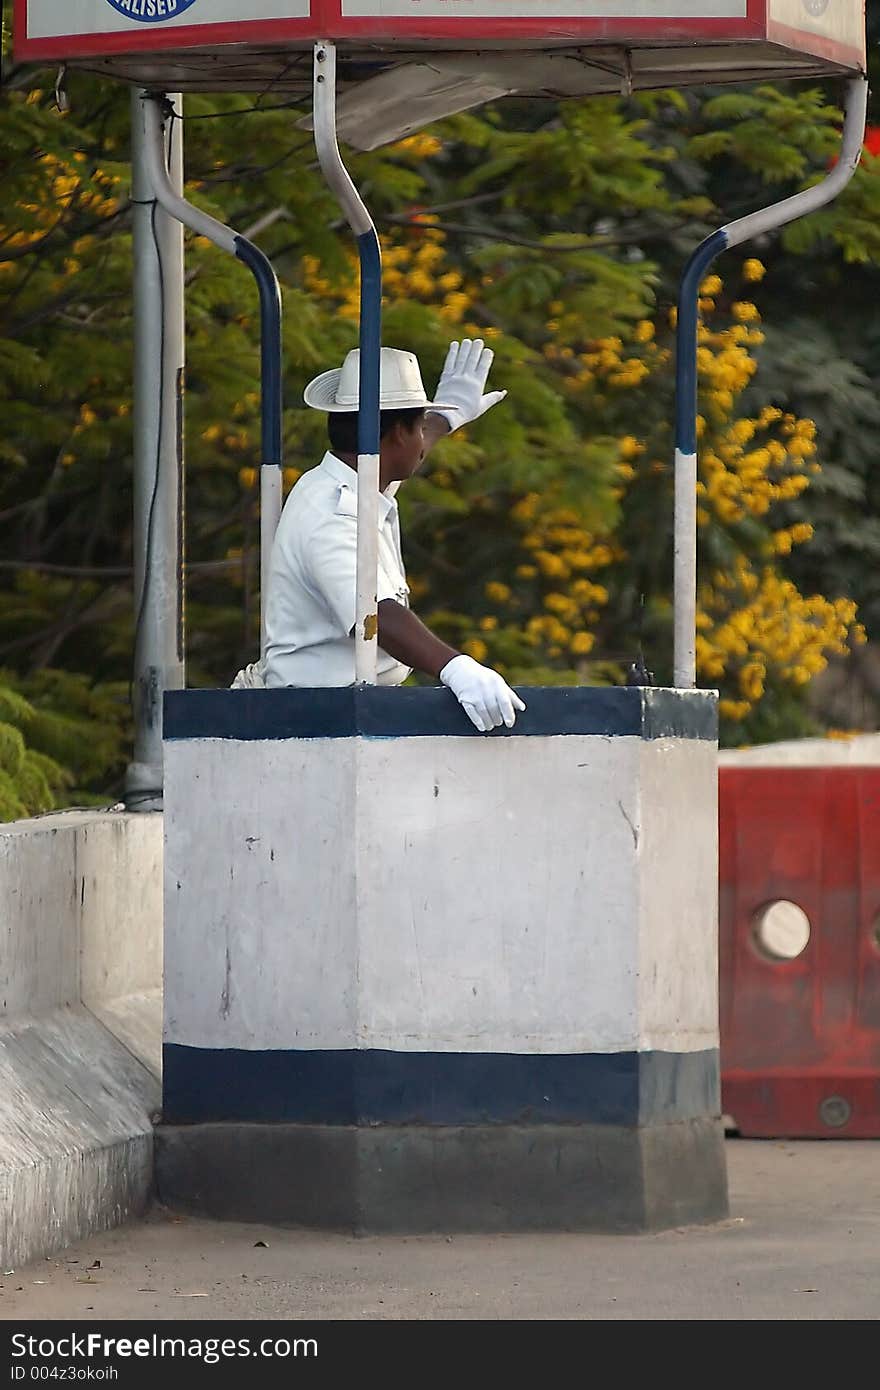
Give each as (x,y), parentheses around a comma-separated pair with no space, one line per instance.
(556,232)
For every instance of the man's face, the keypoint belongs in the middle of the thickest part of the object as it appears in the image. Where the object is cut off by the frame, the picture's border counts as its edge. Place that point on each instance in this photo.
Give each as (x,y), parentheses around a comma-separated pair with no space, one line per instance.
(408,449)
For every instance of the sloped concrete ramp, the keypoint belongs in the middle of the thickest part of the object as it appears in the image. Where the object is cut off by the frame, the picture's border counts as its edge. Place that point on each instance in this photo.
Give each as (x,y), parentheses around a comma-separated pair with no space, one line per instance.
(80,1025)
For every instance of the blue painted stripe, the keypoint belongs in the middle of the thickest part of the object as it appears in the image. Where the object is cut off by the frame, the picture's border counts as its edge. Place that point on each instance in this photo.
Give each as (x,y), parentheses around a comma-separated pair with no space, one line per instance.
(376,1087)
(686,340)
(370,341)
(270,346)
(433,712)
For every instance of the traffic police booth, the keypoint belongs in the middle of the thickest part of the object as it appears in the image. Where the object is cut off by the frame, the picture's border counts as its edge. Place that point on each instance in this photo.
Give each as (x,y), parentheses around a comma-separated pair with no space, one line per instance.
(419,978)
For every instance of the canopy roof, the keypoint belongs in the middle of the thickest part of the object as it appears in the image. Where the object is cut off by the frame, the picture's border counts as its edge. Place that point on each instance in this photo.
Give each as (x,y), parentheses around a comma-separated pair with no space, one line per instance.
(454,53)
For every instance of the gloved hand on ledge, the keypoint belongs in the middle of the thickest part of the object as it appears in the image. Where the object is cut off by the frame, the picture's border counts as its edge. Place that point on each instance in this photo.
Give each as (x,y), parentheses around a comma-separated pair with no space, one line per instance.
(485,697)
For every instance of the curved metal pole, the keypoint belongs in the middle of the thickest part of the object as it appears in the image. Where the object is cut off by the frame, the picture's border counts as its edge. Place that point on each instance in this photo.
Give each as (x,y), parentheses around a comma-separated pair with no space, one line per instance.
(155,113)
(361,223)
(743,229)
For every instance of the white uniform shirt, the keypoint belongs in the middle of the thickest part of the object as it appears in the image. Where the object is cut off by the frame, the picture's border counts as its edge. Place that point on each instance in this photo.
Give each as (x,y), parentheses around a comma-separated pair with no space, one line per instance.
(313,579)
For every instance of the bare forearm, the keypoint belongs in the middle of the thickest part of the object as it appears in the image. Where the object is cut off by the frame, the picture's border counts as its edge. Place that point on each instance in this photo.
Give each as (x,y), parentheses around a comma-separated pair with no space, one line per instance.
(405,637)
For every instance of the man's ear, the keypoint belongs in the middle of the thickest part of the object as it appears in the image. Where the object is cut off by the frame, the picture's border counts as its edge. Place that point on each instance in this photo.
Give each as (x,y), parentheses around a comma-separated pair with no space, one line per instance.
(399,433)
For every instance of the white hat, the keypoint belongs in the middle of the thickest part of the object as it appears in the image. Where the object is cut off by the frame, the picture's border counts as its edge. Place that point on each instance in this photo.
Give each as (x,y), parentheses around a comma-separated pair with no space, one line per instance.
(400,384)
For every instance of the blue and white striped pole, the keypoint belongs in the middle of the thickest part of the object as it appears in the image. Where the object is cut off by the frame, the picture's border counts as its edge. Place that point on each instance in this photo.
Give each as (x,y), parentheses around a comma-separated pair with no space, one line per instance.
(361,223)
(271,406)
(685,527)
(155,113)
(743,229)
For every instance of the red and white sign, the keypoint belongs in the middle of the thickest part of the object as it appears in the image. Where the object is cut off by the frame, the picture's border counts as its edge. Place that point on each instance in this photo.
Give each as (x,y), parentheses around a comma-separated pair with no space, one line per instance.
(832,30)
(828,28)
(71,28)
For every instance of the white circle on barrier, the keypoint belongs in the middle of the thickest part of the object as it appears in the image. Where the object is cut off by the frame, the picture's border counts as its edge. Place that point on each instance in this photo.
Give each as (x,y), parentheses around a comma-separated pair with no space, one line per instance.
(782,930)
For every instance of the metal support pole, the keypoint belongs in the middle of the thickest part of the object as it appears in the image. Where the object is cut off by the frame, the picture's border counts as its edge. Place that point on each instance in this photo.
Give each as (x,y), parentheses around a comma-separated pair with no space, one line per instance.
(158,463)
(734,234)
(170,199)
(361,223)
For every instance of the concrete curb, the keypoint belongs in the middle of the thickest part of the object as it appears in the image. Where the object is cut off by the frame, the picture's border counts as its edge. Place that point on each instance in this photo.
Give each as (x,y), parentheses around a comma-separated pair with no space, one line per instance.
(80,1003)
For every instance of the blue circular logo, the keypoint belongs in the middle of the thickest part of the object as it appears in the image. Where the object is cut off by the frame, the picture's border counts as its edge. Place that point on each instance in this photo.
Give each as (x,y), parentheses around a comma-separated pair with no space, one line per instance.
(151,11)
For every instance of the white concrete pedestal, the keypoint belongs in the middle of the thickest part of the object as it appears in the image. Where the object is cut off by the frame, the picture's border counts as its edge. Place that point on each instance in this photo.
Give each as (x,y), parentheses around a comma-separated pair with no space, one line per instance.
(423,979)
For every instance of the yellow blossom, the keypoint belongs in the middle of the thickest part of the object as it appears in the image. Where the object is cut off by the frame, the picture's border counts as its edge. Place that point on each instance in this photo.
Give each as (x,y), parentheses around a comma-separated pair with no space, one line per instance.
(734,709)
(419,146)
(629,447)
(455,306)
(526,508)
(420,282)
(497,592)
(551,565)
(476,648)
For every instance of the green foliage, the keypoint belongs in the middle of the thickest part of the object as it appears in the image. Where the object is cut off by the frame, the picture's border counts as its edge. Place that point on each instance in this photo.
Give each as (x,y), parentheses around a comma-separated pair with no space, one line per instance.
(30,781)
(84,727)
(780,134)
(588,153)
(851,222)
(589,206)
(11,750)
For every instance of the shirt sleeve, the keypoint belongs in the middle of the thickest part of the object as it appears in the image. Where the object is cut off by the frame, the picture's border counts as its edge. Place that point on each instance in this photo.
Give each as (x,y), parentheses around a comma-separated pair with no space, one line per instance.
(331,563)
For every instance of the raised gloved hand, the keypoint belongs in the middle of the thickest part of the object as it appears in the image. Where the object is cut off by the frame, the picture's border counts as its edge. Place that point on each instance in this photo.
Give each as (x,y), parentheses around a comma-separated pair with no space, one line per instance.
(461,387)
(485,697)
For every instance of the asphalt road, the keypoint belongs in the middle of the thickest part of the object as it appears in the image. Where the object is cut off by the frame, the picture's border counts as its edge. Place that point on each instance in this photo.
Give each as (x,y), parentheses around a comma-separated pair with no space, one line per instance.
(802,1241)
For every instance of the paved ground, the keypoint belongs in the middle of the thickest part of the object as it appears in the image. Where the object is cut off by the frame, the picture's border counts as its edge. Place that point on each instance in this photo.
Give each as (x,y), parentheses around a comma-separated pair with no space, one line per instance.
(803,1241)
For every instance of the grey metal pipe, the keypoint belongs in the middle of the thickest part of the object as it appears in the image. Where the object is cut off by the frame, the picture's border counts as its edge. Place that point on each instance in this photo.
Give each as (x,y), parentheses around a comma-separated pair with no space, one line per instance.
(326,145)
(799,204)
(231,241)
(169,198)
(158,463)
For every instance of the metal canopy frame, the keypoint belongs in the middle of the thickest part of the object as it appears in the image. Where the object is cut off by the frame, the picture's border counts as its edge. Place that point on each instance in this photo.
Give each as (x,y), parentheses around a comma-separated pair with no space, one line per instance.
(606,68)
(206,45)
(158,111)
(445,51)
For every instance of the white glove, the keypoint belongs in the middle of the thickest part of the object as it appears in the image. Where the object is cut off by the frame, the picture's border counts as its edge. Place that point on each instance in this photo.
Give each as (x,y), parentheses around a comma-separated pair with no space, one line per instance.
(251,677)
(462,381)
(486,699)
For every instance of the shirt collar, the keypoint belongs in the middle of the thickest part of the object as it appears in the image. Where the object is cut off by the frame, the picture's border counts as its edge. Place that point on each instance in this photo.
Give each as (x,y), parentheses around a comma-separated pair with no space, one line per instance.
(347,477)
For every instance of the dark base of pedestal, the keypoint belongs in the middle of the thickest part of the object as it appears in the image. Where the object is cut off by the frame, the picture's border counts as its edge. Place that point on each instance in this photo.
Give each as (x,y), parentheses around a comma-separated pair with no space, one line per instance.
(468,1178)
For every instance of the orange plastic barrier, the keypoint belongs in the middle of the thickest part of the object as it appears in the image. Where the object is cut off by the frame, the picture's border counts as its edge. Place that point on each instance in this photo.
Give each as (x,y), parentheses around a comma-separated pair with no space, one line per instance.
(800,950)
